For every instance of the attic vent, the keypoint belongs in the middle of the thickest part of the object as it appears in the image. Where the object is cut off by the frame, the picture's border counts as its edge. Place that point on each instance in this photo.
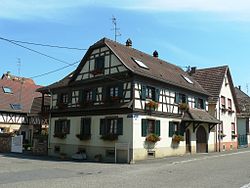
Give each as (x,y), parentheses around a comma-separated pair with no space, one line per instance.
(187,79)
(140,64)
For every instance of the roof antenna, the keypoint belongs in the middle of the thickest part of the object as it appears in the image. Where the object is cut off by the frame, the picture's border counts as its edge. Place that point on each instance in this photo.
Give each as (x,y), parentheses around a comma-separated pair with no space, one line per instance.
(18,66)
(115,29)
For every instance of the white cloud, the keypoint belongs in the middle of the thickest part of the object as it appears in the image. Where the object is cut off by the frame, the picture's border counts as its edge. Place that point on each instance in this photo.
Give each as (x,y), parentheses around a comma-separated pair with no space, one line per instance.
(28,9)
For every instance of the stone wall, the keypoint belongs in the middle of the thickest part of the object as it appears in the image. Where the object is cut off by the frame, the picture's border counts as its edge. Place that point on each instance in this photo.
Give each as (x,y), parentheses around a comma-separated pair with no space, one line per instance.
(5,144)
(40,145)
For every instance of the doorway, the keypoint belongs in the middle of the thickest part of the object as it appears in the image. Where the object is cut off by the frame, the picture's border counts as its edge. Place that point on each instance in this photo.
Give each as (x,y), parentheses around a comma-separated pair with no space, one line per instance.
(201,140)
(188,141)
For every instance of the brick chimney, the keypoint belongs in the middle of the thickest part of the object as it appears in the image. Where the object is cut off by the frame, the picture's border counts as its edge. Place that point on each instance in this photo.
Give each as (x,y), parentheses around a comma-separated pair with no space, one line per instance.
(155,54)
(129,43)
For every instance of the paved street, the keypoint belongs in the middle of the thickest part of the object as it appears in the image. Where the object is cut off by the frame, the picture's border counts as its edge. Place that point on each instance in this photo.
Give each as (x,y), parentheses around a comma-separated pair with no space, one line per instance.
(200,170)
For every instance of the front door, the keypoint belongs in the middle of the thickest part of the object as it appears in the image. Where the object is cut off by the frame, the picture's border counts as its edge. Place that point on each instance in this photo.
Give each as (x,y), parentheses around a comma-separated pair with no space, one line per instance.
(201,140)
(188,141)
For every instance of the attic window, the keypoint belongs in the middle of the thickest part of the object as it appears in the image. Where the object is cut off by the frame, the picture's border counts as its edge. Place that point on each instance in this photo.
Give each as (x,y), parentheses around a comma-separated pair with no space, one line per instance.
(7,90)
(187,79)
(140,64)
(16,106)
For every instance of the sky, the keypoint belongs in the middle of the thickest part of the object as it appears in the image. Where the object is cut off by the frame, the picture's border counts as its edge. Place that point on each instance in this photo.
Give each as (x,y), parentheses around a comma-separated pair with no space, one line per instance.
(200,33)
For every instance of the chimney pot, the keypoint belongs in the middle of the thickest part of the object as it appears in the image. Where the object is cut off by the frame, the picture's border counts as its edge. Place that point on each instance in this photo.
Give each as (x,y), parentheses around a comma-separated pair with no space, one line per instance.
(155,54)
(129,42)
(240,88)
(192,70)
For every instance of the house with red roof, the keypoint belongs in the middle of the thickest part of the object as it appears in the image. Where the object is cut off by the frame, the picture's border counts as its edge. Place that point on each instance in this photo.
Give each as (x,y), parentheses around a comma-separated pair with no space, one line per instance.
(121,104)
(16,98)
(222,103)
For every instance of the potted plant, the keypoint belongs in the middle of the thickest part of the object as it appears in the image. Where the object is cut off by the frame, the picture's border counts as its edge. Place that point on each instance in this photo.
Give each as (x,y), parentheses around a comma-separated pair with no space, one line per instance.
(83,136)
(177,138)
(110,137)
(153,138)
(183,107)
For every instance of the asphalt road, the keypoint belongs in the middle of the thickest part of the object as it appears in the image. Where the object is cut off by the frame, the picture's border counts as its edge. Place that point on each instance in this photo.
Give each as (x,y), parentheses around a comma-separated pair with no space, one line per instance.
(200,170)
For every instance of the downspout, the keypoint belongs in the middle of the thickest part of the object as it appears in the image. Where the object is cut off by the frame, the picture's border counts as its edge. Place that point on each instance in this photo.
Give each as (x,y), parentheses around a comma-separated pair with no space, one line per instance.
(219,134)
(51,97)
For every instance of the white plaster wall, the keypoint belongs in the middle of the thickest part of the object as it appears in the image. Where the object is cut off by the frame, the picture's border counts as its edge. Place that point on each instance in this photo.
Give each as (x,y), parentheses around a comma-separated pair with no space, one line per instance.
(226,117)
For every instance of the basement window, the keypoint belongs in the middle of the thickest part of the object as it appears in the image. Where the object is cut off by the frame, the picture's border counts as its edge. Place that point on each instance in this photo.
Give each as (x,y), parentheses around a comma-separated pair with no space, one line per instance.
(140,63)
(187,79)
(16,106)
(7,90)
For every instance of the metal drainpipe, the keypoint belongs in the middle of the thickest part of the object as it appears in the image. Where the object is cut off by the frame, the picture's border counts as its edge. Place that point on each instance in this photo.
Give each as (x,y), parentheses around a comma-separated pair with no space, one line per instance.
(219,134)
(51,97)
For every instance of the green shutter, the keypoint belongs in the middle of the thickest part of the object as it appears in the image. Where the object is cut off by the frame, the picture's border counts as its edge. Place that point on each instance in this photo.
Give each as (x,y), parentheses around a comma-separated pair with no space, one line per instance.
(204,103)
(81,96)
(120,90)
(143,92)
(196,102)
(177,98)
(94,91)
(157,95)
(57,126)
(171,129)
(144,127)
(102,126)
(68,127)
(86,126)
(120,126)
(158,128)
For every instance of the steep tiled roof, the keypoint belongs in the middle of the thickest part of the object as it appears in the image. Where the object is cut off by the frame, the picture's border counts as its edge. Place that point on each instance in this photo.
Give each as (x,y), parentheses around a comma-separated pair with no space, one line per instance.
(37,104)
(211,80)
(157,69)
(243,102)
(22,92)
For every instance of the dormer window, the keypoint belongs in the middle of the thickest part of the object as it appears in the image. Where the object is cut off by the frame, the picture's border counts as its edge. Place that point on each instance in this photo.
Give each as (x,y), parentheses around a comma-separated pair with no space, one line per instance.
(7,90)
(16,106)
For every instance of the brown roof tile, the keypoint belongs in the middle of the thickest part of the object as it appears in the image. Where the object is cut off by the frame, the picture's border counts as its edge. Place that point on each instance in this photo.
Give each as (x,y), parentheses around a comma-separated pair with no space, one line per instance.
(243,101)
(23,92)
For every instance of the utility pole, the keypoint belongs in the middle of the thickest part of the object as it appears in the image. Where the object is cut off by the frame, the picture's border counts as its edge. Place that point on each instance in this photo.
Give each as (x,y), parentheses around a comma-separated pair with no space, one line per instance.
(115,29)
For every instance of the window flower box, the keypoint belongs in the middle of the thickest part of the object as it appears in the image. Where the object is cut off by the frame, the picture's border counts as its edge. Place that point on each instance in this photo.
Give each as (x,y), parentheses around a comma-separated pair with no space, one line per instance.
(96,71)
(60,135)
(83,137)
(152,138)
(183,107)
(109,137)
(177,138)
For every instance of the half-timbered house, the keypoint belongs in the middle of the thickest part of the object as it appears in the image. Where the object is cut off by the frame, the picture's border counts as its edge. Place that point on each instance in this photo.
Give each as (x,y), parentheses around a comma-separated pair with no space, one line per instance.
(222,103)
(119,96)
(16,97)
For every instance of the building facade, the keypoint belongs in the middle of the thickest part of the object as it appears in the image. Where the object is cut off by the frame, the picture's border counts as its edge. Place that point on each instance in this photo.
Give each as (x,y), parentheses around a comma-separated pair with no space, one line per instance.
(121,96)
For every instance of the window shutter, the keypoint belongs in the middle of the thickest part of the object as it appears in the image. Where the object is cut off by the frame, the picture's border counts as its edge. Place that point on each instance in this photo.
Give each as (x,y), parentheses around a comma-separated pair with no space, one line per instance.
(196,102)
(157,95)
(57,126)
(107,93)
(120,126)
(171,129)
(120,90)
(68,127)
(94,91)
(81,96)
(144,127)
(70,97)
(177,98)
(86,126)
(102,126)
(157,127)
(143,92)
(204,103)
(181,129)
(247,125)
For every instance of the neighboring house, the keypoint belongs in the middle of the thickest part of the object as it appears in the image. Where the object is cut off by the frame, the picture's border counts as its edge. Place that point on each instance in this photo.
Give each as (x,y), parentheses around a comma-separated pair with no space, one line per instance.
(222,103)
(243,116)
(119,97)
(16,96)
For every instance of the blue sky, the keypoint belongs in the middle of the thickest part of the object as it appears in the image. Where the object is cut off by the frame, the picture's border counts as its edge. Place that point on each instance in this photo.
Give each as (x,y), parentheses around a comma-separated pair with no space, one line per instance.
(201,33)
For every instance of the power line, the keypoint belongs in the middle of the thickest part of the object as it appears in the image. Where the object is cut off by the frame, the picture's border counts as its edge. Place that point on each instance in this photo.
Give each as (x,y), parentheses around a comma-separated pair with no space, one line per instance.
(35,51)
(53,71)
(47,45)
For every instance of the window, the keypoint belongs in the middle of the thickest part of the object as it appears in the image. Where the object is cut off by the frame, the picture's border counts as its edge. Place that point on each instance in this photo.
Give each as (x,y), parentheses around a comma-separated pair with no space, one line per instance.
(229,104)
(114,91)
(175,128)
(65,98)
(223,102)
(99,63)
(140,63)
(150,126)
(180,98)
(62,126)
(16,106)
(148,92)
(87,95)
(7,90)
(111,126)
(200,103)
(85,126)
(233,127)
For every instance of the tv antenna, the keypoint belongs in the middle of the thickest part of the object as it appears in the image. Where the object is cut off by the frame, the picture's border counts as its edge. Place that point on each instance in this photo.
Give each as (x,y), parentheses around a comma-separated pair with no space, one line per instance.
(115,29)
